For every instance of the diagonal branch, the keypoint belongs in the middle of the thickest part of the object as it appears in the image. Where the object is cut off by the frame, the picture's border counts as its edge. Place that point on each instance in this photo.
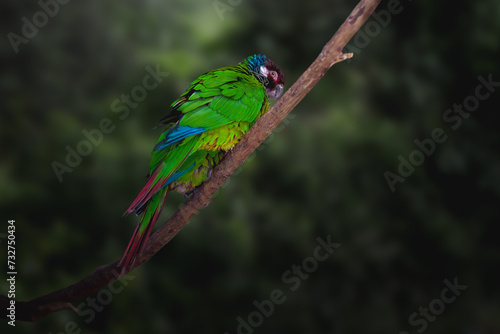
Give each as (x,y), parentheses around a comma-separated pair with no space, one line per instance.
(331,54)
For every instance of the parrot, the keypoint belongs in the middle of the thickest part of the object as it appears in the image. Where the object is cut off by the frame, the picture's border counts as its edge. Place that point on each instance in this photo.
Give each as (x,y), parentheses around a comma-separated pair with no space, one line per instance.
(203,124)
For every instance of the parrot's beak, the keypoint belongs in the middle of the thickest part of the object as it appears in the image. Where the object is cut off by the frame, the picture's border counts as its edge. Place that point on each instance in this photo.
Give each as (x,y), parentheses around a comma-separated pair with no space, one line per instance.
(276,92)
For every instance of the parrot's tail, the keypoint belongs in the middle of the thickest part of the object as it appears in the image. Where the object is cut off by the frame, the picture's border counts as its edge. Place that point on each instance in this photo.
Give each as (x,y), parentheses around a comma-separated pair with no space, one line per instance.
(151,213)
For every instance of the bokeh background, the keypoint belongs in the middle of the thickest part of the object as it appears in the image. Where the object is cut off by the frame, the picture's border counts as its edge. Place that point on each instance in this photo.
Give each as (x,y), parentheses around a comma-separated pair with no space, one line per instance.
(320,174)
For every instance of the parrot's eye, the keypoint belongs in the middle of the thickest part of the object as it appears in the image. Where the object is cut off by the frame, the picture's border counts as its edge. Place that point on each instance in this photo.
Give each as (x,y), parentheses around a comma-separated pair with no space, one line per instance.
(274,74)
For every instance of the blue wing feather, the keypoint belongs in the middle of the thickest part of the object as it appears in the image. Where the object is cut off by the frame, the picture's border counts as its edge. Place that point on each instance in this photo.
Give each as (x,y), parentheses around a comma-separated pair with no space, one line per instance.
(177,134)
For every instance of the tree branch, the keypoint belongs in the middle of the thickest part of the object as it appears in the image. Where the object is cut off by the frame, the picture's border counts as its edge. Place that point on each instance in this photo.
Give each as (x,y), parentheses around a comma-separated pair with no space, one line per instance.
(331,54)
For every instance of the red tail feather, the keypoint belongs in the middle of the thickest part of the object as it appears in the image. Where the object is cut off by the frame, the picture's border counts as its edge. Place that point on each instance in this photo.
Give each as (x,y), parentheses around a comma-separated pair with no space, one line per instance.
(138,240)
(146,192)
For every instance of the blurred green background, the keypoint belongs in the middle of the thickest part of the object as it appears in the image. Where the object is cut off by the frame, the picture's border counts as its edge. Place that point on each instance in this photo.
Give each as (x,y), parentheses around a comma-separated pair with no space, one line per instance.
(320,174)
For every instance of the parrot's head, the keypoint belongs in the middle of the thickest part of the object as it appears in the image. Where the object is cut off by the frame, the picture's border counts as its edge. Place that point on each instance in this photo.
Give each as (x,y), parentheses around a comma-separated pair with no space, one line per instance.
(267,72)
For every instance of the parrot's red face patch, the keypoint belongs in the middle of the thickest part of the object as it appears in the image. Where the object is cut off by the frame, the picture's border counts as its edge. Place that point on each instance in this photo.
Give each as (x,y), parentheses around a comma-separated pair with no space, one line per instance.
(275,79)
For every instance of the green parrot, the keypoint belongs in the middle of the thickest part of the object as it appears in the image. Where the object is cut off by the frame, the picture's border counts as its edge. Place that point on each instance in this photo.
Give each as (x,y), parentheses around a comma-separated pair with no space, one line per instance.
(203,124)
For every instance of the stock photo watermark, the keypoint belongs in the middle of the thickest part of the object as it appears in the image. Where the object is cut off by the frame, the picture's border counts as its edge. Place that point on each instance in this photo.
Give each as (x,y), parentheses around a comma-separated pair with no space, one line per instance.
(453,117)
(92,305)
(436,307)
(30,27)
(120,106)
(223,6)
(293,278)
(11,271)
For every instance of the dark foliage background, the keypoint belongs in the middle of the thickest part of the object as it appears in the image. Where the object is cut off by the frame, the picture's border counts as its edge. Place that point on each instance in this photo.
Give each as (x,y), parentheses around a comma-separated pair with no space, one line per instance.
(321,173)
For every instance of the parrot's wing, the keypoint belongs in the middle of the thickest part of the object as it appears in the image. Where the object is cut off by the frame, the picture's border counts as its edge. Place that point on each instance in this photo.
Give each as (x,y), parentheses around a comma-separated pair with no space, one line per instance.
(216,99)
